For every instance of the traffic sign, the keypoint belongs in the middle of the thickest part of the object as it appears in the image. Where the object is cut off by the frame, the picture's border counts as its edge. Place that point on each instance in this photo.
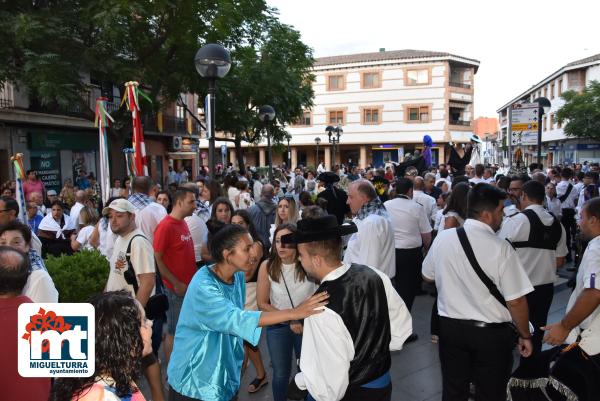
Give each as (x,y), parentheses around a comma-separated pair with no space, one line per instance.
(524,118)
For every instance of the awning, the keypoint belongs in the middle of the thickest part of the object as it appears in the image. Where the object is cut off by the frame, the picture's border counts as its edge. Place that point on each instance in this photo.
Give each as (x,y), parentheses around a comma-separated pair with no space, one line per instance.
(457,105)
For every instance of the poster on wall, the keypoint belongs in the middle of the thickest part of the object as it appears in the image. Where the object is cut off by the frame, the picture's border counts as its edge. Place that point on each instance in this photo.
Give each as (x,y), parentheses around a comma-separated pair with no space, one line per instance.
(46,164)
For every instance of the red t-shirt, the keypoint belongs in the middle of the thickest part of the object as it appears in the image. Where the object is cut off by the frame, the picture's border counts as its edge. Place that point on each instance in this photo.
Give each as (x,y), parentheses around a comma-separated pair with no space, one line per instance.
(172,237)
(12,385)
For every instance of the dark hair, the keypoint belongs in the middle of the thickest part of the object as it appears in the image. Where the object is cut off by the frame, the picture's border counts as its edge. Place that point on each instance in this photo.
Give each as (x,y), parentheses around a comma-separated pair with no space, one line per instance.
(57,203)
(13,277)
(141,184)
(215,190)
(503,182)
(274,262)
(220,200)
(305,198)
(181,193)
(566,173)
(457,201)
(457,180)
(535,191)
(479,168)
(403,185)
(16,225)
(226,238)
(520,177)
(29,171)
(483,197)
(592,208)
(119,347)
(164,193)
(248,220)
(580,175)
(312,212)
(10,204)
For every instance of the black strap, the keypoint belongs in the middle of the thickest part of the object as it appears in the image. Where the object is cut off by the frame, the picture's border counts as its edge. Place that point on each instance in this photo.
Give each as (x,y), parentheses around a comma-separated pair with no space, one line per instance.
(287,289)
(564,196)
(133,279)
(466,245)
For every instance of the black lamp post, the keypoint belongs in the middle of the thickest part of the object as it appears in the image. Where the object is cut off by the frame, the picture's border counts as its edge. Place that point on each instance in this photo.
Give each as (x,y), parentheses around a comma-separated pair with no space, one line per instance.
(266,114)
(288,137)
(212,62)
(317,142)
(543,108)
(334,139)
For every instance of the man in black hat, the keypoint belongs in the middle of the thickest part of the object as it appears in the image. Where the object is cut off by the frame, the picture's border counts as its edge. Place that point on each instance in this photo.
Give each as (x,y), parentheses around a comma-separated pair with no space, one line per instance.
(336,198)
(346,349)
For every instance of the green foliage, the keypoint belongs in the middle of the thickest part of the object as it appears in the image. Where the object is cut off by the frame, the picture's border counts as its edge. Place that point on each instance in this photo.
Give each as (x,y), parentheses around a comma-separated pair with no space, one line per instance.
(581,112)
(78,276)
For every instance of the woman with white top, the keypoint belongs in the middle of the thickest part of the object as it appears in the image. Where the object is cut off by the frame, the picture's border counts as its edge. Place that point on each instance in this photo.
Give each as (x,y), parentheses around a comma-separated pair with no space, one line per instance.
(88,218)
(244,199)
(455,213)
(282,282)
(287,212)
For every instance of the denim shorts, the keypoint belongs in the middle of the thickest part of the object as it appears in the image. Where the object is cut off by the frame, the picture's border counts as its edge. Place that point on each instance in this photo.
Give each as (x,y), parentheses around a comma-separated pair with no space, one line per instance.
(175,302)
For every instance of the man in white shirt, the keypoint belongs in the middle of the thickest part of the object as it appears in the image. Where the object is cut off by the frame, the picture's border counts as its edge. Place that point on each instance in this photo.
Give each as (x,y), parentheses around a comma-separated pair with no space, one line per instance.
(566,193)
(428,202)
(80,200)
(197,227)
(148,212)
(321,168)
(476,339)
(478,177)
(346,349)
(583,309)
(412,235)
(373,244)
(540,241)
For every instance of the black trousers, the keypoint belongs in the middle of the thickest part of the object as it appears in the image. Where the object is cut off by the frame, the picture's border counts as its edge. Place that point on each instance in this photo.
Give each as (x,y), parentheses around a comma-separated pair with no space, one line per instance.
(539,302)
(568,221)
(368,394)
(482,356)
(408,274)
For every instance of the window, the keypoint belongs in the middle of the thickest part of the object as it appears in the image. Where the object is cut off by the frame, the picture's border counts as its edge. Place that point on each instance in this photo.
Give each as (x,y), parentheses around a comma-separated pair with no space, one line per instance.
(560,87)
(371,115)
(551,125)
(558,124)
(371,80)
(552,90)
(417,114)
(417,77)
(544,125)
(336,82)
(545,91)
(180,112)
(305,120)
(336,117)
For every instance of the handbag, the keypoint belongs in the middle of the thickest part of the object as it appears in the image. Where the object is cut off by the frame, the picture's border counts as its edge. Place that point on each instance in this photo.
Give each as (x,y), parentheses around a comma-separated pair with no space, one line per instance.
(492,288)
(157,304)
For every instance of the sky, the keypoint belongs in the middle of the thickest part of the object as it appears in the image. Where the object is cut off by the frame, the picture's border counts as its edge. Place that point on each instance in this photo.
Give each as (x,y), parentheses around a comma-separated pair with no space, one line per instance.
(518,43)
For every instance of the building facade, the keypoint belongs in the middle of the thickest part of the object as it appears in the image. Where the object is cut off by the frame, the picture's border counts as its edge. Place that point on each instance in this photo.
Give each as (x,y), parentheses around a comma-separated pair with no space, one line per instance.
(556,146)
(385,102)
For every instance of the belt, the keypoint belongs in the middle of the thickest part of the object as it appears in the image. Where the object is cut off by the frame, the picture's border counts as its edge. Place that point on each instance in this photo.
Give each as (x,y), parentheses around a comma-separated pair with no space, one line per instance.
(477,323)
(381,382)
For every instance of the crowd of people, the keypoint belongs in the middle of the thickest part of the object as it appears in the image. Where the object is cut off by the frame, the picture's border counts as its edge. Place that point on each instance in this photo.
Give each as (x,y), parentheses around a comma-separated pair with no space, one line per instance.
(330,263)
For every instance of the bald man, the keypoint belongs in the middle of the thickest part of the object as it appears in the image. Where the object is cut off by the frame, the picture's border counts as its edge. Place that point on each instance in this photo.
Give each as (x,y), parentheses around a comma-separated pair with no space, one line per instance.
(80,200)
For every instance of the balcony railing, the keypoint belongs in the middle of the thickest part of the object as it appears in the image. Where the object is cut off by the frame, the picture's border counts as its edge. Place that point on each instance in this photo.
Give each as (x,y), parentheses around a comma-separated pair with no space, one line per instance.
(460,85)
(171,125)
(7,99)
(460,122)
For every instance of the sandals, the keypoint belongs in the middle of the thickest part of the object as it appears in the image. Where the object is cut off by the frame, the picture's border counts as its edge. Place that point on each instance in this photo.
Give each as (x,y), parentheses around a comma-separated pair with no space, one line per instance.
(257,384)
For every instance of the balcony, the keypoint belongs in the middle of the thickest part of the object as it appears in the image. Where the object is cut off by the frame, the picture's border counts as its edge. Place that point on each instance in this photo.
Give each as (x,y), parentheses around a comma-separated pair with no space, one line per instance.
(460,85)
(6,97)
(170,125)
(461,123)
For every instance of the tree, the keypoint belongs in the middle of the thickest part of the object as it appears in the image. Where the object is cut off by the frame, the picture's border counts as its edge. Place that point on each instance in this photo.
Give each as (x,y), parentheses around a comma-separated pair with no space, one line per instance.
(581,112)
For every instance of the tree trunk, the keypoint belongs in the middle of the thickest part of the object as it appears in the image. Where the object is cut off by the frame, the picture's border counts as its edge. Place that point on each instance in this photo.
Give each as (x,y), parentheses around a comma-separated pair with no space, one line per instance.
(239,154)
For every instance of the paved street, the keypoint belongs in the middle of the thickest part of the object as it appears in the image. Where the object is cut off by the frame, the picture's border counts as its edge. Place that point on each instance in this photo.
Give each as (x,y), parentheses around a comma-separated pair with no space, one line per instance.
(416,372)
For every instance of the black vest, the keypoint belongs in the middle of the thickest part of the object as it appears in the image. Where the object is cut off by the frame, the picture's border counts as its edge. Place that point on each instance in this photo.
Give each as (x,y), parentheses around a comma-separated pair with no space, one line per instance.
(358,297)
(540,236)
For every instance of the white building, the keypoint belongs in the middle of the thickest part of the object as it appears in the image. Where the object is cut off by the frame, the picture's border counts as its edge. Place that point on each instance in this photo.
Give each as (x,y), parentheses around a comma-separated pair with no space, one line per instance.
(556,146)
(385,102)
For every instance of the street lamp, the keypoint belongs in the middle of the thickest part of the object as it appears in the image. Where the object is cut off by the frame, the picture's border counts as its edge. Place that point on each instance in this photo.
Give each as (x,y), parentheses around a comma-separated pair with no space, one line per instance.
(266,114)
(334,139)
(288,137)
(212,62)
(317,142)
(543,108)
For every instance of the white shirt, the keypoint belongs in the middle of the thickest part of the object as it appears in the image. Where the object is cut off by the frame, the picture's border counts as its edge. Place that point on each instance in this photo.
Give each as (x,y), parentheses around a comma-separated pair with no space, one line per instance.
(446,180)
(199,233)
(561,189)
(74,214)
(553,206)
(461,293)
(40,287)
(106,240)
(148,218)
(299,290)
(428,203)
(373,244)
(142,258)
(328,349)
(320,168)
(83,237)
(438,218)
(257,189)
(409,221)
(232,193)
(539,264)
(476,180)
(442,225)
(35,243)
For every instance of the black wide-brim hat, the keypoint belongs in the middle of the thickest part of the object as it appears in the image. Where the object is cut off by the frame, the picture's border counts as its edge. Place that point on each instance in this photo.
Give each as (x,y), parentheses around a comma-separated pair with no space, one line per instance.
(318,229)
(328,176)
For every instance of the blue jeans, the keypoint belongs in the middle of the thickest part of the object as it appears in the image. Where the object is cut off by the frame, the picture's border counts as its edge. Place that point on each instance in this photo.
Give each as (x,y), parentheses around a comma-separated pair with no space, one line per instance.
(281,341)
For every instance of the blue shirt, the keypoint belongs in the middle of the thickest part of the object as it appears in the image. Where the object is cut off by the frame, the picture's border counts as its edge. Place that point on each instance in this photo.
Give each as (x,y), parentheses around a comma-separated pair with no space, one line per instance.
(34,223)
(208,352)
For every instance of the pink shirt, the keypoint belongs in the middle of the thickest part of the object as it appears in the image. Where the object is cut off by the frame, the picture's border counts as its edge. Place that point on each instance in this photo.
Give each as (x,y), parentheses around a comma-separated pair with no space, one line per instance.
(32,186)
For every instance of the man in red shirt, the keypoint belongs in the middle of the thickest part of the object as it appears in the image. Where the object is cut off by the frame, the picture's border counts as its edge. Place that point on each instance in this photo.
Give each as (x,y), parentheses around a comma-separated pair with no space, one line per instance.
(14,270)
(174,254)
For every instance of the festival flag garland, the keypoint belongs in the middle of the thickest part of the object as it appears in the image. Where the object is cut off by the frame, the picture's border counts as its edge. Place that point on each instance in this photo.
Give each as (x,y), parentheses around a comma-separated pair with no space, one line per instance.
(102,122)
(19,170)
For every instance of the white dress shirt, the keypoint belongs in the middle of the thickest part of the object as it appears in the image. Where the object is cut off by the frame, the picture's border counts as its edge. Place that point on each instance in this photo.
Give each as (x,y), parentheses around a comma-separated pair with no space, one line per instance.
(373,244)
(74,214)
(476,180)
(148,218)
(539,264)
(461,293)
(328,349)
(553,206)
(409,221)
(571,201)
(199,232)
(428,203)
